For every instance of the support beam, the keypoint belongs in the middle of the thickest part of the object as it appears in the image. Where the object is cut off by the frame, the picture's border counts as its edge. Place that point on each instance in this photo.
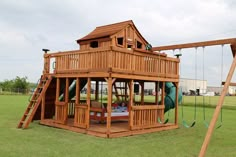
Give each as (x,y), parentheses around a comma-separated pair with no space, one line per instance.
(218,109)
(131,94)
(196,44)
(126,94)
(233,48)
(109,101)
(230,84)
(77,92)
(43,107)
(176,102)
(142,92)
(96,90)
(66,101)
(88,102)
(163,98)
(157,92)
(57,90)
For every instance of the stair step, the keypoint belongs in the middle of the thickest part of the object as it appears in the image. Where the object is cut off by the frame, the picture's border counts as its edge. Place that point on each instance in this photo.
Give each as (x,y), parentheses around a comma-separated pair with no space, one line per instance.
(43,80)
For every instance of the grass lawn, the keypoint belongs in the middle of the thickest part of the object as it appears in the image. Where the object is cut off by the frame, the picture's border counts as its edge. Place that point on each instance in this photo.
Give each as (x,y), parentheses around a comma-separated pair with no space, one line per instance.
(40,140)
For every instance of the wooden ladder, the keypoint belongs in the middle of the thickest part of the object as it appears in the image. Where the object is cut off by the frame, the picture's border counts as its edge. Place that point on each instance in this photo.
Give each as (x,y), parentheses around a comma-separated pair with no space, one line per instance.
(121,95)
(35,101)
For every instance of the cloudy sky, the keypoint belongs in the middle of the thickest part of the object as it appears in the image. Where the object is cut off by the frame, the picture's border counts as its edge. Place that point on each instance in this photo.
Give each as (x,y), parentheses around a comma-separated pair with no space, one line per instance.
(27,26)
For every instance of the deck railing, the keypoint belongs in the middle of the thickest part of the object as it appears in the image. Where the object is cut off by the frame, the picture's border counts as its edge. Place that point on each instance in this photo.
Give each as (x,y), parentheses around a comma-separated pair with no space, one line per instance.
(80,115)
(146,116)
(113,59)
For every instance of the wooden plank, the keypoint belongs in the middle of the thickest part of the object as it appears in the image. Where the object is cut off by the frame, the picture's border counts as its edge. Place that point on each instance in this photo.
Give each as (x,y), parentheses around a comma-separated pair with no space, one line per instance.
(62,126)
(148,107)
(195,44)
(217,109)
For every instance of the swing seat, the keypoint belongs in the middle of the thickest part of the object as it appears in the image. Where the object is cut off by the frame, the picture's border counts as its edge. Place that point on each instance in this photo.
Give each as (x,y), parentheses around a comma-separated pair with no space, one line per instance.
(185,124)
(159,121)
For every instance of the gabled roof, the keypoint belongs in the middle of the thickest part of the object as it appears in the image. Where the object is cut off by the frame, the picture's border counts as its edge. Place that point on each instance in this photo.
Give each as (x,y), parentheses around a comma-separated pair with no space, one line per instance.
(109,30)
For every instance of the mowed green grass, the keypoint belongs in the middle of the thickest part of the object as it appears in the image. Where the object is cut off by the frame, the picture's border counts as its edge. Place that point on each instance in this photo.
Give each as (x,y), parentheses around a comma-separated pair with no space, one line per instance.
(44,141)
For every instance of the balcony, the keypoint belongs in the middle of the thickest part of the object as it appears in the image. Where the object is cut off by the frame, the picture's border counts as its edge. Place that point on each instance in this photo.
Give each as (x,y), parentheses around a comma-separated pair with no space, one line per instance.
(112,60)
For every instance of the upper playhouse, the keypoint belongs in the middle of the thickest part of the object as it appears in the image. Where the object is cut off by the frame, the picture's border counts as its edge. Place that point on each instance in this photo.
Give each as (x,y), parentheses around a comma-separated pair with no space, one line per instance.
(123,34)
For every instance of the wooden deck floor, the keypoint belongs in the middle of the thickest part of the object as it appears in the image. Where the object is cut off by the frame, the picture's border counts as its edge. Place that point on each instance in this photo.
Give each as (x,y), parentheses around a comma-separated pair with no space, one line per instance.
(118,128)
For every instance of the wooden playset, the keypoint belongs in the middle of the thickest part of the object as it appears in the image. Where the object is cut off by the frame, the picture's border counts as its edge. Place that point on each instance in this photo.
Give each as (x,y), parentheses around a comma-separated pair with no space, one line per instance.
(119,56)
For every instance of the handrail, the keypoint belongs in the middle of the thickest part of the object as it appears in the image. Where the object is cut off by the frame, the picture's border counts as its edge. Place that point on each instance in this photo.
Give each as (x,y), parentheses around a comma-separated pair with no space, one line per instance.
(116,59)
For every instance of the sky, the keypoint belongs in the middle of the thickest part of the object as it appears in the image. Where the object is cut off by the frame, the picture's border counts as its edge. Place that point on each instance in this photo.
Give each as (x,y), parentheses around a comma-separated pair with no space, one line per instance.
(28,26)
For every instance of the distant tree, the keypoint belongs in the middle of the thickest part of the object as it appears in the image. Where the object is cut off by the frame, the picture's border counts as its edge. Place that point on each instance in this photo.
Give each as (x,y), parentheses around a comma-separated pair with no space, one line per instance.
(21,84)
(7,84)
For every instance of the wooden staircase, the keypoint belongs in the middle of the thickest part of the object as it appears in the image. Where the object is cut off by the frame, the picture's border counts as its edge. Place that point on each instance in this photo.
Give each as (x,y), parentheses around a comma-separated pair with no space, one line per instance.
(121,91)
(35,102)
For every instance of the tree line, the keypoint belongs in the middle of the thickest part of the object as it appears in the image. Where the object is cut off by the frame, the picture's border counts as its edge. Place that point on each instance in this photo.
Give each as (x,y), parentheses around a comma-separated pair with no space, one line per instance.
(17,85)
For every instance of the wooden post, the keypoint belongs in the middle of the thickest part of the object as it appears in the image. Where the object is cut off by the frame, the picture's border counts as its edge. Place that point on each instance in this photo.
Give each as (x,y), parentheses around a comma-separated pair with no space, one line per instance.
(46,68)
(163,99)
(131,94)
(109,102)
(162,93)
(217,110)
(77,97)
(176,102)
(43,107)
(96,90)
(142,92)
(77,100)
(66,100)
(57,90)
(126,94)
(157,93)
(88,102)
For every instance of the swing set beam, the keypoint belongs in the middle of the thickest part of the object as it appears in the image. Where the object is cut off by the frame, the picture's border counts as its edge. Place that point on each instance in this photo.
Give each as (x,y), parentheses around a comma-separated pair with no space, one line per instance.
(227,83)
(231,41)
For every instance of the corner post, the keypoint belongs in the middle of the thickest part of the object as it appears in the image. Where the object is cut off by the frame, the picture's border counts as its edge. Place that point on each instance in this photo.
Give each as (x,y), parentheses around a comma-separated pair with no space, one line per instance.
(109,102)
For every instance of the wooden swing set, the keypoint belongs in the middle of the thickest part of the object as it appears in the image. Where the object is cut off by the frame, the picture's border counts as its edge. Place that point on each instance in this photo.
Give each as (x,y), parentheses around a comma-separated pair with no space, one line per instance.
(113,54)
(226,84)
